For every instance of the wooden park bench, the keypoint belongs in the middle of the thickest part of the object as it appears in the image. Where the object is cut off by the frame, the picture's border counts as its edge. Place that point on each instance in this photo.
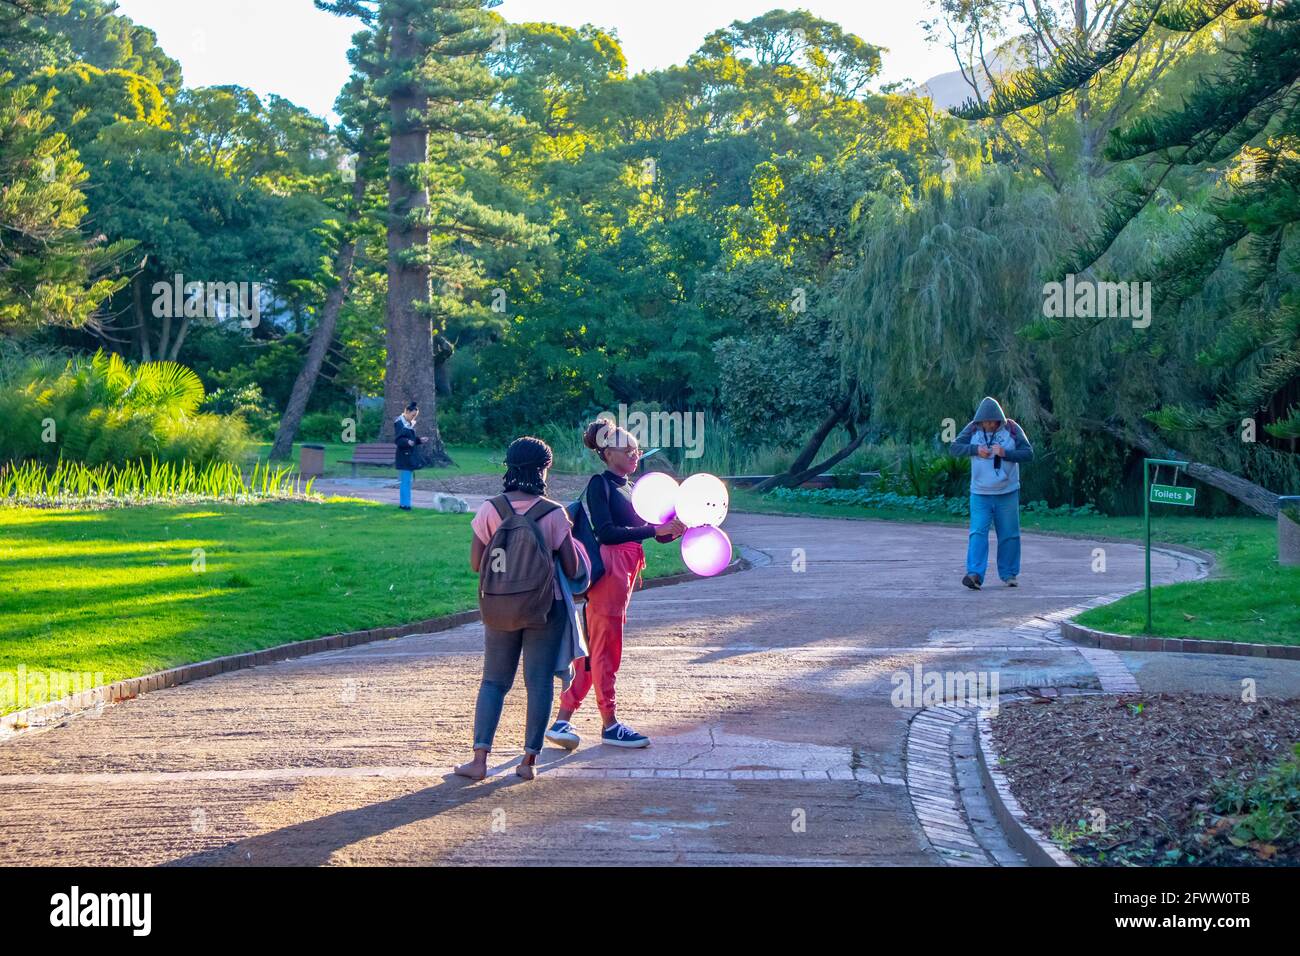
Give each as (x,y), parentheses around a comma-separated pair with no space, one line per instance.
(377,455)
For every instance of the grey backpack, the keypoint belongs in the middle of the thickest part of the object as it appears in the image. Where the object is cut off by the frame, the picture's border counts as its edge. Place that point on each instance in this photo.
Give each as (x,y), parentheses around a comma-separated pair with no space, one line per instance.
(517,574)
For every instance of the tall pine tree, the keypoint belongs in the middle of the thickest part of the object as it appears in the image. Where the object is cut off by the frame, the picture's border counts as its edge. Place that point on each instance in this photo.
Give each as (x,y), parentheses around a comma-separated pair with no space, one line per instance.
(50,274)
(445,133)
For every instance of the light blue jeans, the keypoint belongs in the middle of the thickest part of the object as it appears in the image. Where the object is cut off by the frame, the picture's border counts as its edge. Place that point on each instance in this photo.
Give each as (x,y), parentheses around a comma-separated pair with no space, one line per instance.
(1003,513)
(404,493)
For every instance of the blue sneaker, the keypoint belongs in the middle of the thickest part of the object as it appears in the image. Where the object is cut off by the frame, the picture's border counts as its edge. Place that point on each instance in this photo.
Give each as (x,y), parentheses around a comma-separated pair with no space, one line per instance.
(621,735)
(562,734)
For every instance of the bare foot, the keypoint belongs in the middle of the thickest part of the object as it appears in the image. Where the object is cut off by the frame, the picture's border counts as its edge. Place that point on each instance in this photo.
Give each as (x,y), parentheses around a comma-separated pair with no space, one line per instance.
(525,768)
(475,769)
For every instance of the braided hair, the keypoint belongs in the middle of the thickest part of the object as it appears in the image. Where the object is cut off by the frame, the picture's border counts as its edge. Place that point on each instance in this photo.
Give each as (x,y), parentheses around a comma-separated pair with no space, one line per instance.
(526,459)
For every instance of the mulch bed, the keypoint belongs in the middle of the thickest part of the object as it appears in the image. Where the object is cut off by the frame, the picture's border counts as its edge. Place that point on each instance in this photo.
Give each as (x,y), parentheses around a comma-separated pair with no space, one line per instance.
(1150,763)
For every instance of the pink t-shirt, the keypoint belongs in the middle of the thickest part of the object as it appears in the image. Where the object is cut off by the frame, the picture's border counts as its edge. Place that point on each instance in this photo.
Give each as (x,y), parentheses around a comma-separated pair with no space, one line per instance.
(555,528)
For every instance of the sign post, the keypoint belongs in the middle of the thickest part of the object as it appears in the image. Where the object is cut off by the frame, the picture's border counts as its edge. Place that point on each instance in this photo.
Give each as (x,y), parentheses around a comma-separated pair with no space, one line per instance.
(1163,495)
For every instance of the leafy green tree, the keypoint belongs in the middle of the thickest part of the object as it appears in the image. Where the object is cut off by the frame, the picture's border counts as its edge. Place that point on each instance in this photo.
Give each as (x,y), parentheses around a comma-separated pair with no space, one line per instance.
(1227,356)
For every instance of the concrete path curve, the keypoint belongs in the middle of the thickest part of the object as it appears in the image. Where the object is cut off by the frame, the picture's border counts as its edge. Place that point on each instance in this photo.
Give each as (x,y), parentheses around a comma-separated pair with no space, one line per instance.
(767,694)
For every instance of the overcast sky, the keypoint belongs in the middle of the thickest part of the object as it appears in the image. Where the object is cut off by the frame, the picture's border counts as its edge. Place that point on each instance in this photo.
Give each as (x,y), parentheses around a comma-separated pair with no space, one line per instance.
(290,48)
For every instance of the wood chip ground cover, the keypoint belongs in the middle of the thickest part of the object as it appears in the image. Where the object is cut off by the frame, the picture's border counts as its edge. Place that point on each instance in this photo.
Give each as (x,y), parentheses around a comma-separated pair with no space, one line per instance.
(1132,779)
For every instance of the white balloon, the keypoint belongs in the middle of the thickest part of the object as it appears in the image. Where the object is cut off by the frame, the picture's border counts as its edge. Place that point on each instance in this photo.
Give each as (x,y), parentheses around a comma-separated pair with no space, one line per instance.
(702,499)
(653,496)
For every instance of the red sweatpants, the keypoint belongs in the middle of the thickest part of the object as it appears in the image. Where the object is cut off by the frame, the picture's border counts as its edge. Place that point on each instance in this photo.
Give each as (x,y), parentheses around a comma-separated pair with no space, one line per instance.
(607,603)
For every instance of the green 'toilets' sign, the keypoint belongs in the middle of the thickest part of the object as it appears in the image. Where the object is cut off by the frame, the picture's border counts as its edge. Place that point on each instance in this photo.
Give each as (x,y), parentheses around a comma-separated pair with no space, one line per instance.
(1173,495)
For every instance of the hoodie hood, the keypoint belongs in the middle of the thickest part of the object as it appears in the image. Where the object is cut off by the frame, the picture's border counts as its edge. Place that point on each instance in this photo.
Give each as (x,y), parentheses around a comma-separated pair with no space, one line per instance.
(989,411)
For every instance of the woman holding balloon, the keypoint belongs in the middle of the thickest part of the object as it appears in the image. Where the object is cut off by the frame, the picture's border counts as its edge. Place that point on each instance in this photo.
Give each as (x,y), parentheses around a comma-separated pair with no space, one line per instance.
(619,531)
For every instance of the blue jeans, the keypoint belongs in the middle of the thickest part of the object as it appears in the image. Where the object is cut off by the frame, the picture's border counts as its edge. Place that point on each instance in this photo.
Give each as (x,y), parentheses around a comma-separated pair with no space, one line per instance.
(1003,513)
(540,648)
(404,494)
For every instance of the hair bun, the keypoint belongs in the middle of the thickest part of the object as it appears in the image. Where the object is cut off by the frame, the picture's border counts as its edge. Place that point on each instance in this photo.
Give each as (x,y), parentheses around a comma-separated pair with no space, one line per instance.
(591,437)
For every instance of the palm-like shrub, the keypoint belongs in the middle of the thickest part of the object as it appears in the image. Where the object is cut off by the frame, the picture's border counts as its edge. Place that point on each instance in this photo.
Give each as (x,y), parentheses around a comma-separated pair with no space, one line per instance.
(103,410)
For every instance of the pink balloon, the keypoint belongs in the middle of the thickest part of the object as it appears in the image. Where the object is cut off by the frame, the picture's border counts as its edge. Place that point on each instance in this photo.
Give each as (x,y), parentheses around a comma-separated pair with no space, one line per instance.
(706,550)
(654,496)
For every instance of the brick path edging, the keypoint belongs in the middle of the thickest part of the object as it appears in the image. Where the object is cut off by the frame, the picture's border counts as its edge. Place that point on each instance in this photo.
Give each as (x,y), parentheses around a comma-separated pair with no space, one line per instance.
(932,788)
(1077,633)
(133,687)
(1020,833)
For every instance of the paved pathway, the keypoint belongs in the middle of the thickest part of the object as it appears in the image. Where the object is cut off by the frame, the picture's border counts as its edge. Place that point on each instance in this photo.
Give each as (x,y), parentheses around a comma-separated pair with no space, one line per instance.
(767,694)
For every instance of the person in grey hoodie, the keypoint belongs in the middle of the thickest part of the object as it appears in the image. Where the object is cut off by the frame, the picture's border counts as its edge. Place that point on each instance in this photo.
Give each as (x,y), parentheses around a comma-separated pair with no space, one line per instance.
(997,446)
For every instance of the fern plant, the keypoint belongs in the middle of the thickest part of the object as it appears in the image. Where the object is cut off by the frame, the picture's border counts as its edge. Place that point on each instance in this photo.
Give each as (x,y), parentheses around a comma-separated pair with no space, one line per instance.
(102,410)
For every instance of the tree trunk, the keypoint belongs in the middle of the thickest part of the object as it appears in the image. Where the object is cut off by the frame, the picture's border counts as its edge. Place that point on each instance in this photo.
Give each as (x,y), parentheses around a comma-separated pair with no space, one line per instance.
(799,470)
(1253,496)
(1083,108)
(323,335)
(443,350)
(180,340)
(409,373)
(142,323)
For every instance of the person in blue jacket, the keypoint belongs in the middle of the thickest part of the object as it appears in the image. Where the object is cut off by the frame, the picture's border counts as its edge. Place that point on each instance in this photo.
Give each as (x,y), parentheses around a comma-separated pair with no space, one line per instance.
(997,447)
(407,441)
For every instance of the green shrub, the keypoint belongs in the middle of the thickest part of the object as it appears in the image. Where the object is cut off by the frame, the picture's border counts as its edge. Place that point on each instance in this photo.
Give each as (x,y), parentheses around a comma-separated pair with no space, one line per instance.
(924,474)
(868,498)
(248,403)
(326,426)
(1268,809)
(104,410)
(936,504)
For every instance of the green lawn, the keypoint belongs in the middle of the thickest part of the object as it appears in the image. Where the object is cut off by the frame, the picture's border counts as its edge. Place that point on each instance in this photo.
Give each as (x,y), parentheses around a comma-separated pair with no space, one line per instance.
(117,591)
(1250,597)
(470,460)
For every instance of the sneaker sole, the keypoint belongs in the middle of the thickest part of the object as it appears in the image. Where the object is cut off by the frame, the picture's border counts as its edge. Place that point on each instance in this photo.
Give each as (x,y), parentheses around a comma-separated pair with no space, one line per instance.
(633,744)
(568,743)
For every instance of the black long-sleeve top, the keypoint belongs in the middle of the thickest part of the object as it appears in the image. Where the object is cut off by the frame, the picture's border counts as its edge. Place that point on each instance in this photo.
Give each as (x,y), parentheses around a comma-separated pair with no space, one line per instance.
(609,499)
(406,440)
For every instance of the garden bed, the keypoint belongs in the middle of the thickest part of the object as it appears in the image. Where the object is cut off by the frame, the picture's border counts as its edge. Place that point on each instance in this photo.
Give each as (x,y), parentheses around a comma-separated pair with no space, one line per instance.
(1156,779)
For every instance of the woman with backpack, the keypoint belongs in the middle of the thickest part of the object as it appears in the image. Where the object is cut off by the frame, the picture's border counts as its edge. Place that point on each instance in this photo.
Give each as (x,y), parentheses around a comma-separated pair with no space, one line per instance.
(517,536)
(619,531)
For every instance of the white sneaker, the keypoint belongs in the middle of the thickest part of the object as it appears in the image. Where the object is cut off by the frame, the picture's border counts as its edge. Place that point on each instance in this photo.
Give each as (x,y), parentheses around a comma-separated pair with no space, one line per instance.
(563,735)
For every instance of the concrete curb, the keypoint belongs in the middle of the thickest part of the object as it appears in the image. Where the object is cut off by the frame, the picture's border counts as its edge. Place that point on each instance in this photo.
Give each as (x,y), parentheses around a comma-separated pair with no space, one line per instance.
(1019,832)
(1088,637)
(737,564)
(132,687)
(1085,636)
